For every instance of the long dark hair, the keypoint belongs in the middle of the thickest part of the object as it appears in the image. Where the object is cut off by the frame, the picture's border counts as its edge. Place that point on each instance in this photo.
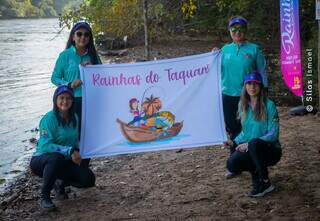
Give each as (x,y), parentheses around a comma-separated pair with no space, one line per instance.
(259,111)
(61,121)
(91,48)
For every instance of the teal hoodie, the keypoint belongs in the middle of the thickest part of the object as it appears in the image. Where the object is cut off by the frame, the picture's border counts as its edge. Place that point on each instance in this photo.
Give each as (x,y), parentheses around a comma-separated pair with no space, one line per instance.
(237,62)
(55,137)
(267,130)
(67,70)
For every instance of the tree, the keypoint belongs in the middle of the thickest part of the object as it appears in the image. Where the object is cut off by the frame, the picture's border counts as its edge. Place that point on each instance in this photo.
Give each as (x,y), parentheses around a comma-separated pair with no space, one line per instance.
(34,8)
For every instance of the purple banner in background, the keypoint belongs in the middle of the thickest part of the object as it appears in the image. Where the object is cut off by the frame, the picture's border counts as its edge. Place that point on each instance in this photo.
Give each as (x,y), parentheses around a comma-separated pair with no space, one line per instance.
(290,45)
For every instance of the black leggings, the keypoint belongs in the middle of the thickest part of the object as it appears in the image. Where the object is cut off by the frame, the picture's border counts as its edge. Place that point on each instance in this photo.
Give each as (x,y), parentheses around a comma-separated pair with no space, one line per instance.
(52,166)
(230,109)
(259,156)
(78,110)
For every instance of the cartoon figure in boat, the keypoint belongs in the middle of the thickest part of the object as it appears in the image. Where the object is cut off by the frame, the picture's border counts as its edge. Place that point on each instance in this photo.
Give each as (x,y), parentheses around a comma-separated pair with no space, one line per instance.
(137,116)
(151,124)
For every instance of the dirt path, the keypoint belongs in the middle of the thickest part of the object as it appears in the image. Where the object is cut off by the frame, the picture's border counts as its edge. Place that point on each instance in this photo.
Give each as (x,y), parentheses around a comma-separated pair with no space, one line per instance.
(188,185)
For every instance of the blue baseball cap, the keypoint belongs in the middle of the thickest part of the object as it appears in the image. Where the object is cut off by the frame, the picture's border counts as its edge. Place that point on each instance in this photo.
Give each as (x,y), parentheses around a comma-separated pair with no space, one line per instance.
(255,76)
(81,24)
(63,89)
(238,20)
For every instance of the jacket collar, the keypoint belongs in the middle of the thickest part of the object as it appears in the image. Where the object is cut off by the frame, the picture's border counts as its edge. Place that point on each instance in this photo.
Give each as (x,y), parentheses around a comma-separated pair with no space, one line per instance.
(73,48)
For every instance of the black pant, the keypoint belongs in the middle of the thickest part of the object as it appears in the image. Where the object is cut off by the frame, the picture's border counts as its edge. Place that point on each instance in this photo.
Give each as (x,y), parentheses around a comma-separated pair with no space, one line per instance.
(259,156)
(52,166)
(230,109)
(78,111)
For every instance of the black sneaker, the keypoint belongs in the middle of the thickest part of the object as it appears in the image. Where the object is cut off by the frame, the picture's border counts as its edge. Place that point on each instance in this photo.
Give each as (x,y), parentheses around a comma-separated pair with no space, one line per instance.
(261,188)
(47,204)
(59,190)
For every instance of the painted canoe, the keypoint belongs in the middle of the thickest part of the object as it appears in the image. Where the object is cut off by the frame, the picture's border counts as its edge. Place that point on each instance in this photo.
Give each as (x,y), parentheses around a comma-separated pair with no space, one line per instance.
(141,134)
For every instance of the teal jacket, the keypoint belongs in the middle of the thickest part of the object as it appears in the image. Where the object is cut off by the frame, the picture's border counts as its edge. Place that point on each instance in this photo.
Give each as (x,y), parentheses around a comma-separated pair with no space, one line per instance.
(236,62)
(67,69)
(55,137)
(267,130)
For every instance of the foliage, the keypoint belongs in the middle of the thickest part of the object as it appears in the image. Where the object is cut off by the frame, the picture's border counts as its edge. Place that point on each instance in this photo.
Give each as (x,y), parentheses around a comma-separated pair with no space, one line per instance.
(188,8)
(124,17)
(33,8)
(263,16)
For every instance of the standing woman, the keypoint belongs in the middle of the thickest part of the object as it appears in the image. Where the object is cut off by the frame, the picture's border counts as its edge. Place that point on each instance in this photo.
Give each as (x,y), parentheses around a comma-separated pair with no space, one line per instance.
(257,146)
(80,50)
(239,58)
(57,154)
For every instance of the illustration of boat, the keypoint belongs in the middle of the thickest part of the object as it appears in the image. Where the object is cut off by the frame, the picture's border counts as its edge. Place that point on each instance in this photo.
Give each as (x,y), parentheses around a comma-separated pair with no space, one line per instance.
(145,134)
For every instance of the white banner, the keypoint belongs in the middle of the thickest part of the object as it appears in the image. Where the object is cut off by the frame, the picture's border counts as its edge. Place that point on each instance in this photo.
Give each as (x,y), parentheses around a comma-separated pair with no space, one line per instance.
(317,9)
(150,106)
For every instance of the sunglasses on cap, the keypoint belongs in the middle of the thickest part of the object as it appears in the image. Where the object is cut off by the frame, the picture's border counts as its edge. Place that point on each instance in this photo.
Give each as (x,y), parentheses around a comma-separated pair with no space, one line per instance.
(240,29)
(85,34)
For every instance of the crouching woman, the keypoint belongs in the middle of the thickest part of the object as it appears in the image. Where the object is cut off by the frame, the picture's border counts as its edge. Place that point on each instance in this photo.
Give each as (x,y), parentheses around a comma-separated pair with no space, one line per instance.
(257,145)
(57,159)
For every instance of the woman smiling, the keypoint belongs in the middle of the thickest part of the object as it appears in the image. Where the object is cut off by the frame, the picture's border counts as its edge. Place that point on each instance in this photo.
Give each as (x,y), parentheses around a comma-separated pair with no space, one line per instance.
(57,159)
(80,50)
(257,146)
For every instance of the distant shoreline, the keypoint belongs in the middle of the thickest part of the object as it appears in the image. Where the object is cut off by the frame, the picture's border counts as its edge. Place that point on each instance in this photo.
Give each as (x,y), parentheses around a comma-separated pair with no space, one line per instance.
(13,18)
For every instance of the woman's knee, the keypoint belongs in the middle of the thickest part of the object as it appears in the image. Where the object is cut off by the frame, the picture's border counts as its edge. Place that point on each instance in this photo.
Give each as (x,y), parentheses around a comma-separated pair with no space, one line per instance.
(254,144)
(35,166)
(56,161)
(55,158)
(254,141)
(52,160)
(239,162)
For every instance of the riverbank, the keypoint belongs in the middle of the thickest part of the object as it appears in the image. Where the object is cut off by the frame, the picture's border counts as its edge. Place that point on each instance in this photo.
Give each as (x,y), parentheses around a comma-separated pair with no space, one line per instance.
(188,185)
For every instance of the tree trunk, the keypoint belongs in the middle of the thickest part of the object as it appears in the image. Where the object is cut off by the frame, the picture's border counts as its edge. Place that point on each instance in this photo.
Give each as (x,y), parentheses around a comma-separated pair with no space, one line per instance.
(146,35)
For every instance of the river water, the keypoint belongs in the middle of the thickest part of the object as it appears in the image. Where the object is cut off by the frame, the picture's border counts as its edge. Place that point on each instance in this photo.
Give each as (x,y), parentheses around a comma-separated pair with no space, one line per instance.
(28,51)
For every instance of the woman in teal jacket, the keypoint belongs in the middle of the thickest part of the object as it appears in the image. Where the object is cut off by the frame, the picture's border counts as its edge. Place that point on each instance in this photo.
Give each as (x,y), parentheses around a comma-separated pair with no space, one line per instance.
(80,50)
(257,146)
(238,59)
(57,158)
